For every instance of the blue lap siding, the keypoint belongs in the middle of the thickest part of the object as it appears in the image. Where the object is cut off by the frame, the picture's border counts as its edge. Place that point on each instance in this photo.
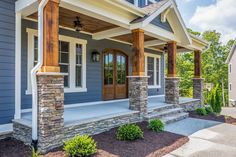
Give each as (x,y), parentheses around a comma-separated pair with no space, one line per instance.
(7,60)
(93,70)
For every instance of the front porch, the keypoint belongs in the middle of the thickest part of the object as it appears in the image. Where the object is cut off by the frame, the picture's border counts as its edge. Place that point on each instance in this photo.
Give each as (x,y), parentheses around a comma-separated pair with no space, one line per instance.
(92,111)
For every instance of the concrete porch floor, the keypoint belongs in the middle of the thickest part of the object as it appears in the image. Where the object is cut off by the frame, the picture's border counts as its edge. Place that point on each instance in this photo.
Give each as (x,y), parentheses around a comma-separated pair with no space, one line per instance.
(88,111)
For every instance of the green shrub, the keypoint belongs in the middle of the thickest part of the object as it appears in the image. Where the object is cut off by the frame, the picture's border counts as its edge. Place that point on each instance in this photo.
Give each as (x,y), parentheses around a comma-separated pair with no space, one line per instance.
(129,132)
(156,125)
(201,111)
(80,146)
(209,109)
(34,153)
(216,99)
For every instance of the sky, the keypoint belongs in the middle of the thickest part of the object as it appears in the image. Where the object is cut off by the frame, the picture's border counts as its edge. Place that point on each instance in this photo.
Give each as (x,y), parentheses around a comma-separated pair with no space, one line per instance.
(202,15)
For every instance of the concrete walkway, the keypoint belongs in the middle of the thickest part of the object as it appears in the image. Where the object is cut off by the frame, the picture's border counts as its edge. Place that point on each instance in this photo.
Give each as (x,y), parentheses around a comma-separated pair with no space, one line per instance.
(216,141)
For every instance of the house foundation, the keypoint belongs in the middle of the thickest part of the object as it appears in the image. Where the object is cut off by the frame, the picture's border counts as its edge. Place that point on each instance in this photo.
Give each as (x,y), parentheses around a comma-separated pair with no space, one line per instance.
(172,90)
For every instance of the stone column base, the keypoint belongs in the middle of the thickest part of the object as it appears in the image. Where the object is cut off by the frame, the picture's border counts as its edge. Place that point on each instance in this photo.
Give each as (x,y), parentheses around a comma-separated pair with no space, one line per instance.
(172,90)
(138,93)
(50,111)
(198,89)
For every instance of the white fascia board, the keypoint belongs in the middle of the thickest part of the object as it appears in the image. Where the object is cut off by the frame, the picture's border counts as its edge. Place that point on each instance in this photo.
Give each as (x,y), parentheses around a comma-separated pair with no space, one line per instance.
(110,33)
(133,8)
(154,43)
(26,7)
(89,10)
(181,22)
(156,13)
(232,51)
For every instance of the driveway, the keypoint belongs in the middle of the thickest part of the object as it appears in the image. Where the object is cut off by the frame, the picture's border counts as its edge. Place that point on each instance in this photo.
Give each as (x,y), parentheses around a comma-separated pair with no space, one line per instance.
(229,111)
(218,140)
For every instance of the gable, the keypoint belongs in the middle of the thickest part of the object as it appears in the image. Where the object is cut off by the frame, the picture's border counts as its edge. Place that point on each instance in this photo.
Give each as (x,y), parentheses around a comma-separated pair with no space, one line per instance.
(232,53)
(164,25)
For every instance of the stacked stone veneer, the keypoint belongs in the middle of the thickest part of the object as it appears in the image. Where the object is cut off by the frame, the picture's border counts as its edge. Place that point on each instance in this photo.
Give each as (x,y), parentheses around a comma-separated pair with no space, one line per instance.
(191,105)
(172,90)
(138,93)
(198,87)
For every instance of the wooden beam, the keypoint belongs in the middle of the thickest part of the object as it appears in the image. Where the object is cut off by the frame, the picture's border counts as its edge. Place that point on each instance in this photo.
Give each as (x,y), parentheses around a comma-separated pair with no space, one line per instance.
(51,37)
(110,33)
(197,64)
(138,52)
(171,50)
(154,43)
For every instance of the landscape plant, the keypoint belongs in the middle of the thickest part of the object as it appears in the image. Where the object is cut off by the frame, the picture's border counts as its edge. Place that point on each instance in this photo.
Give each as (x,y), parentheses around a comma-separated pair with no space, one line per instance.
(201,111)
(80,146)
(156,125)
(129,132)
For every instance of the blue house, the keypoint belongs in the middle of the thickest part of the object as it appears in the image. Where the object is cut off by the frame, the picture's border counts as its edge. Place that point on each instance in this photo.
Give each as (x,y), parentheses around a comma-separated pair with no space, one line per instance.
(79,66)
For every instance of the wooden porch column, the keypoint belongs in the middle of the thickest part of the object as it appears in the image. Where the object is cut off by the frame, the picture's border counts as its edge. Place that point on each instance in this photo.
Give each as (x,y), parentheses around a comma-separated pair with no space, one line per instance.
(172,49)
(197,64)
(171,81)
(138,52)
(198,81)
(51,37)
(138,83)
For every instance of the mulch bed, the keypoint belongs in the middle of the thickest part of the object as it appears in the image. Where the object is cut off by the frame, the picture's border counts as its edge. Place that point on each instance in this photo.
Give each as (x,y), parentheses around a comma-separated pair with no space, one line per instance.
(153,145)
(212,116)
(10,147)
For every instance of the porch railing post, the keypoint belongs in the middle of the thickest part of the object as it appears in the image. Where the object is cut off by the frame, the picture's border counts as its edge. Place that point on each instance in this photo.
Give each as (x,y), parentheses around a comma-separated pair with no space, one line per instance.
(198,81)
(171,81)
(138,82)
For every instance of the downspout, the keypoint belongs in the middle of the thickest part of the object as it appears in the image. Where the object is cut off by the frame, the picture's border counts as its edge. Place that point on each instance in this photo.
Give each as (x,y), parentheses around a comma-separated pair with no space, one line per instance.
(33,75)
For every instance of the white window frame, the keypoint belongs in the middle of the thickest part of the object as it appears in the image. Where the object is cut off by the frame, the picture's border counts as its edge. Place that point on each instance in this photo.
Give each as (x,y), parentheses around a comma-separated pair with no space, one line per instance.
(155,56)
(72,61)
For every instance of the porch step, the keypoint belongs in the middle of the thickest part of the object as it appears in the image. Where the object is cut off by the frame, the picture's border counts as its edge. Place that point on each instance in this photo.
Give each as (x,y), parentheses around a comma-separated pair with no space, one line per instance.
(167,114)
(161,108)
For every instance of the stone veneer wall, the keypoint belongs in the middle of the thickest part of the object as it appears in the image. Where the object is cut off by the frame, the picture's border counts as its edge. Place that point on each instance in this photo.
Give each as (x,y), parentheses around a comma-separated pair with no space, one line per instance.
(198,87)
(172,90)
(23,132)
(138,93)
(98,126)
(190,106)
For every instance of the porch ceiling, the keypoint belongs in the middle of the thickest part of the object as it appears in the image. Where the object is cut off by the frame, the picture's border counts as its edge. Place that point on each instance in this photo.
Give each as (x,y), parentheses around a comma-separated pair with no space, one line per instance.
(90,24)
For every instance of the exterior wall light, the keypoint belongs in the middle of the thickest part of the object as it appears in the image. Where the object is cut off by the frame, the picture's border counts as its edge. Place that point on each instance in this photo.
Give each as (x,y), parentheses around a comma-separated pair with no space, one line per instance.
(95,56)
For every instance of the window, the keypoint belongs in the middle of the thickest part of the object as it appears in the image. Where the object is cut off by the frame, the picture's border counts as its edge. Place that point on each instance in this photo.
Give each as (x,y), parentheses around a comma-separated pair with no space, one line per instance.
(230,68)
(152,69)
(230,87)
(72,61)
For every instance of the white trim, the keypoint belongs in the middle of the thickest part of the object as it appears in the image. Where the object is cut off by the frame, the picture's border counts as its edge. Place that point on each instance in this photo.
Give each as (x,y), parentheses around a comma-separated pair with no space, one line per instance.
(18,66)
(154,43)
(110,33)
(136,3)
(156,13)
(72,53)
(155,56)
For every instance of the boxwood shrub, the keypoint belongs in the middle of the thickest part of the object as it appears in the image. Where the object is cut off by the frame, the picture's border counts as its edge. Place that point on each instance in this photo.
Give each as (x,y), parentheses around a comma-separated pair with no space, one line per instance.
(201,111)
(156,125)
(129,132)
(80,146)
